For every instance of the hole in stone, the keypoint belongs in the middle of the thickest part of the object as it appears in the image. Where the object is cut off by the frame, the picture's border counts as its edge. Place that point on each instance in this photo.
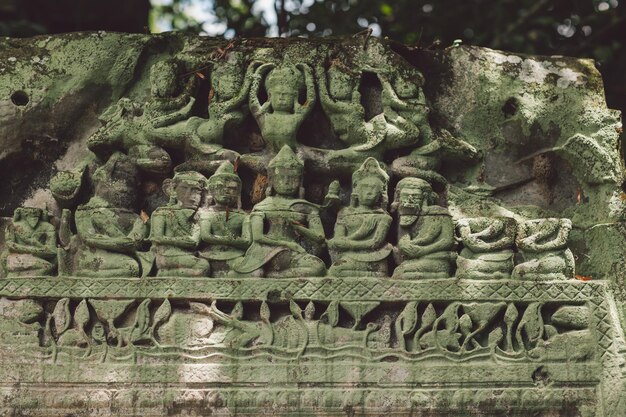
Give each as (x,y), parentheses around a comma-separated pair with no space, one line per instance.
(510,107)
(273,296)
(19,98)
(541,376)
(371,94)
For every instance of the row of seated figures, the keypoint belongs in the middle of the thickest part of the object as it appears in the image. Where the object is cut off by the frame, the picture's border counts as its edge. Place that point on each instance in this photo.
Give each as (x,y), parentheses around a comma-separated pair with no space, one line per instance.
(282,236)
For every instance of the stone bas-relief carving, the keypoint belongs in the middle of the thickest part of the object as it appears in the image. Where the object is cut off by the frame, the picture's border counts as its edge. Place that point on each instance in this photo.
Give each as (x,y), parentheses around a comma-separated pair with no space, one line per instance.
(231,211)
(109,233)
(30,244)
(224,226)
(426,244)
(283,227)
(360,247)
(487,247)
(175,232)
(543,244)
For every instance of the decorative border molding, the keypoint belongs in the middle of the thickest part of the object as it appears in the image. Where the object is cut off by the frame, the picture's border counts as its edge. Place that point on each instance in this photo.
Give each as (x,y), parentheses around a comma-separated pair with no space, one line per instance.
(316,289)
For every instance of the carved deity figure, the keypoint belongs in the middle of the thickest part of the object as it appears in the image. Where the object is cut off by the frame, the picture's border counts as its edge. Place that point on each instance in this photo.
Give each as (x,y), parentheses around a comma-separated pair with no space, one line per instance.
(359,246)
(280,117)
(109,231)
(175,232)
(287,231)
(224,225)
(169,103)
(165,121)
(404,106)
(543,245)
(229,91)
(487,248)
(426,244)
(341,101)
(31,244)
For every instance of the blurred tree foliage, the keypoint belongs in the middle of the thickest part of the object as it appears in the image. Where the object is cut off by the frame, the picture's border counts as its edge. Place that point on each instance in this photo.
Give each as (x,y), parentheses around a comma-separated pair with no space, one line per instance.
(584,28)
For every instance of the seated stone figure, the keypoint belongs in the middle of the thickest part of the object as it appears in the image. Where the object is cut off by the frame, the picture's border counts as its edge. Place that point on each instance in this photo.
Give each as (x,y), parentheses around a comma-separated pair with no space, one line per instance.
(175,232)
(487,248)
(359,247)
(31,244)
(426,244)
(287,231)
(109,232)
(543,245)
(280,117)
(224,226)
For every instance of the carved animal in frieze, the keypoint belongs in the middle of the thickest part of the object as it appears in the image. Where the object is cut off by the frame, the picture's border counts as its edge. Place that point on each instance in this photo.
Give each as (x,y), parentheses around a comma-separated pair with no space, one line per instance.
(20,322)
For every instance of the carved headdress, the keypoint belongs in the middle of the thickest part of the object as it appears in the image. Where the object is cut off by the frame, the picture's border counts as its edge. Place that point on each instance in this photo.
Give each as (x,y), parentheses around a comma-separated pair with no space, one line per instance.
(21,212)
(286,158)
(187,177)
(371,169)
(225,171)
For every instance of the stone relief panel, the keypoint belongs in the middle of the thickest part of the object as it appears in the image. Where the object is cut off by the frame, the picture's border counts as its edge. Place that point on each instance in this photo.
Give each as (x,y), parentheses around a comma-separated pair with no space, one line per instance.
(323,205)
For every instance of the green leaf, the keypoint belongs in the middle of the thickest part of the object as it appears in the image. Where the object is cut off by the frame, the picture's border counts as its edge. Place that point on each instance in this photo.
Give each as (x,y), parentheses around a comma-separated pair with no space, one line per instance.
(81,315)
(386,9)
(61,315)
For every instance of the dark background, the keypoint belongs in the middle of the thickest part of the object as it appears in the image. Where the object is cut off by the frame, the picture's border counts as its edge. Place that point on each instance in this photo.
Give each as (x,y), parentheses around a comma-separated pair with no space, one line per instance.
(583,28)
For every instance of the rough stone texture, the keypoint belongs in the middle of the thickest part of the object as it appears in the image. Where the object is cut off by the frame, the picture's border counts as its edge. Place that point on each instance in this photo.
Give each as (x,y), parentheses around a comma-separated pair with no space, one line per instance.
(546,147)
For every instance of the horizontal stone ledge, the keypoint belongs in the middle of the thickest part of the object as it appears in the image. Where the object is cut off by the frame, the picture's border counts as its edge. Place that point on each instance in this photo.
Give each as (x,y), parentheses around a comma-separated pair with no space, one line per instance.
(247,373)
(316,289)
(157,400)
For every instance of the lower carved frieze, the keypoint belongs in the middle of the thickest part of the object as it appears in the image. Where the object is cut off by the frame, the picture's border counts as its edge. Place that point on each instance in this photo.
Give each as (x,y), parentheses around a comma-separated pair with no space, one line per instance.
(361,349)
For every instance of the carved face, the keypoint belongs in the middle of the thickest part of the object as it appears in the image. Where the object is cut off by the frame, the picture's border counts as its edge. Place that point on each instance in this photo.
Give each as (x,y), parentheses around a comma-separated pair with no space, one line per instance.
(31,216)
(369,191)
(189,195)
(163,82)
(411,199)
(406,88)
(282,98)
(226,192)
(286,181)
(340,84)
(226,85)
